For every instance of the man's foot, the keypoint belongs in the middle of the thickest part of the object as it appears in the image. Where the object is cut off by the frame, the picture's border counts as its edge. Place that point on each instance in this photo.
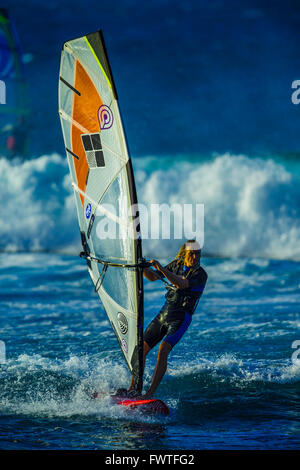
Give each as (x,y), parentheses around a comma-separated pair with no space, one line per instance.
(124,393)
(147,396)
(133,394)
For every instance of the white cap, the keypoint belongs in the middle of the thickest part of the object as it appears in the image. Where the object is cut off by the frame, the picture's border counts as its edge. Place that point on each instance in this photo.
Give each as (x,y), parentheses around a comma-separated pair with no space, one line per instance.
(192,246)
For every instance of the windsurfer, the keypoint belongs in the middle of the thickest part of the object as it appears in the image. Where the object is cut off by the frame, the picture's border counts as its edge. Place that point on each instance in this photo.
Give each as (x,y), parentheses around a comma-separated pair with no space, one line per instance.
(187,281)
(17,136)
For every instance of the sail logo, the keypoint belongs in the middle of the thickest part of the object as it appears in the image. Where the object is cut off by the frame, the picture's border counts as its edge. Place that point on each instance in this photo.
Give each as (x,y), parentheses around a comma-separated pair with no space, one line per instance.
(105,117)
(2,92)
(122,322)
(124,345)
(88,211)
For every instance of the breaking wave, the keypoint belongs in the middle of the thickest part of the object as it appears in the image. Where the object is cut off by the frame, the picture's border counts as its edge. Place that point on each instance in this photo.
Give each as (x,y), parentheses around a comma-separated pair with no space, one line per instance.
(251,205)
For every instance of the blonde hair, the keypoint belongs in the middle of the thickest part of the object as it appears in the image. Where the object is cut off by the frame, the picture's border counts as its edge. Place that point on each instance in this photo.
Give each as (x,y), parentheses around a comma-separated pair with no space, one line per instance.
(182,252)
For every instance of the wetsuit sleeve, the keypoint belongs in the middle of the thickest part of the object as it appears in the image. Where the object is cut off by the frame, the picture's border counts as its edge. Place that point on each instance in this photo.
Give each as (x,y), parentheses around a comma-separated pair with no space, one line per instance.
(171,266)
(197,283)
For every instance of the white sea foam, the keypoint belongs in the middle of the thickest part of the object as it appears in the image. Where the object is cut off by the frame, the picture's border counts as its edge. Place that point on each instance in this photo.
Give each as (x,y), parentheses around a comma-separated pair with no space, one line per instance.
(87,374)
(39,209)
(241,371)
(251,205)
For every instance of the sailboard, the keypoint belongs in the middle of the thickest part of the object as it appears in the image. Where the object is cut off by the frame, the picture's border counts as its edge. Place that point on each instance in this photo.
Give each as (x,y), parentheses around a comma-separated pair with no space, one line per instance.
(15,106)
(104,190)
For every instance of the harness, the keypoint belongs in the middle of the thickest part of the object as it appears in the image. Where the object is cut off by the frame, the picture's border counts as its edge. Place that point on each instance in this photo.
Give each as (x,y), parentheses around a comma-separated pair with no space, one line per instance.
(183,298)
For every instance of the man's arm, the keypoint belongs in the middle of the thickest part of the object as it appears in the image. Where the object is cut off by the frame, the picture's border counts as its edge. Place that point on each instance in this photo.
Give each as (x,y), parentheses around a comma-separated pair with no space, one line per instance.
(150,274)
(176,280)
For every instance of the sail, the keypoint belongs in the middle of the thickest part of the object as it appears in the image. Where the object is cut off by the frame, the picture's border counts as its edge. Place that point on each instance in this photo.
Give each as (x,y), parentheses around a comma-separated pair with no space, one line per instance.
(14,108)
(104,189)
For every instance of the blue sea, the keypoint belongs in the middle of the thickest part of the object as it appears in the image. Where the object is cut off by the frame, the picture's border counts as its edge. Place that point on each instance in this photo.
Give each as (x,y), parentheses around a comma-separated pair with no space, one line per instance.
(205,93)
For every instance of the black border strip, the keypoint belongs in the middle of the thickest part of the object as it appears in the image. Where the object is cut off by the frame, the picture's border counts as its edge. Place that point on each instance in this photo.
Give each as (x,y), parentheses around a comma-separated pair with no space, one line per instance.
(108,64)
(70,86)
(88,233)
(72,153)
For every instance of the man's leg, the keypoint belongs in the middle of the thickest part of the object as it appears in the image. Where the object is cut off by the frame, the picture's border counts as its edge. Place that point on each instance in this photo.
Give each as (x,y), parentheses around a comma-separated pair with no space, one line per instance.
(175,333)
(160,368)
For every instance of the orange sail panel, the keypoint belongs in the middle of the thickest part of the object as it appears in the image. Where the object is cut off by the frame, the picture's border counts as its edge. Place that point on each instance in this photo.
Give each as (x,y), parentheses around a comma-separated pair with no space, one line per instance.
(85,113)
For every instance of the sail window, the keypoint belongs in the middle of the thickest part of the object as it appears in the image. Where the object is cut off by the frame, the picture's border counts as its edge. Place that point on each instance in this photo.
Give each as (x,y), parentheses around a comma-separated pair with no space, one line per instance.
(93,150)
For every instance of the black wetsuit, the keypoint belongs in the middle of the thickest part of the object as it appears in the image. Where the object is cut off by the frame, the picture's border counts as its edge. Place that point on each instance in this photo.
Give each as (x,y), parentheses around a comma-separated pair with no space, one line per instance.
(176,315)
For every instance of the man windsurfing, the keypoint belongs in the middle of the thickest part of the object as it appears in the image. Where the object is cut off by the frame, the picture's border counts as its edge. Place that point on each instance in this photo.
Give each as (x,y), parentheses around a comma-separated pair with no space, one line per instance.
(187,281)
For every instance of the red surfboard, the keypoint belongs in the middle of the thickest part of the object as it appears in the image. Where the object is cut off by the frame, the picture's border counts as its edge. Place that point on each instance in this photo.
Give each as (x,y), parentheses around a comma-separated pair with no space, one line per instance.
(151,406)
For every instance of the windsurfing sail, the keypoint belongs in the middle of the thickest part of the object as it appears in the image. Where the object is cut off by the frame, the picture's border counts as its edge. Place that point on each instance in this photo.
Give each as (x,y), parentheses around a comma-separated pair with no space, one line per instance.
(14,107)
(104,189)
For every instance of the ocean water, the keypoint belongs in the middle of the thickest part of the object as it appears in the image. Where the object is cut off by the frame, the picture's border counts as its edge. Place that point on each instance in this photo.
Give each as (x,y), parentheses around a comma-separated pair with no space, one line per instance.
(231,382)
(205,91)
(193,77)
